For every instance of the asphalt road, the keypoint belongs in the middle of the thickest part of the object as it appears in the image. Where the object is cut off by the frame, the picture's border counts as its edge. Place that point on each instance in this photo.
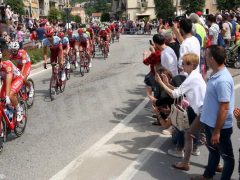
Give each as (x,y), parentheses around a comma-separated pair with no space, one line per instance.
(92,105)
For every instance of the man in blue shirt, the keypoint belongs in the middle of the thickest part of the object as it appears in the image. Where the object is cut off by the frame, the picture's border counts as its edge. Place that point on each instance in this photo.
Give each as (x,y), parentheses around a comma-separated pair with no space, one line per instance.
(217,114)
(40,33)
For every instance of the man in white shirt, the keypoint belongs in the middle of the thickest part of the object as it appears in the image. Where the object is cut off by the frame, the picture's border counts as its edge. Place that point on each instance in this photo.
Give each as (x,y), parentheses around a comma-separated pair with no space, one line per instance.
(168,57)
(8,14)
(226,30)
(213,31)
(190,44)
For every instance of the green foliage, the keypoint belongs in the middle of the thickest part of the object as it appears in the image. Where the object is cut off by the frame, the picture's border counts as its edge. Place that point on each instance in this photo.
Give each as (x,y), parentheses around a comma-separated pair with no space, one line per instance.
(54,14)
(192,6)
(77,19)
(103,6)
(164,8)
(226,4)
(105,17)
(36,55)
(16,5)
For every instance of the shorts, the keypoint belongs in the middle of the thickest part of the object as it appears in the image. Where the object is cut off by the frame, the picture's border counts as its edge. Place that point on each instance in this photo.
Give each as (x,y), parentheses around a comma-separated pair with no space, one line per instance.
(150,81)
(104,38)
(27,69)
(83,44)
(16,85)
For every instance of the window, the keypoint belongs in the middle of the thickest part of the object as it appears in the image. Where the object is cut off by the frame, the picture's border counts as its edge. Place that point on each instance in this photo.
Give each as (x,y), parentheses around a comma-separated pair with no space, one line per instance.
(214,1)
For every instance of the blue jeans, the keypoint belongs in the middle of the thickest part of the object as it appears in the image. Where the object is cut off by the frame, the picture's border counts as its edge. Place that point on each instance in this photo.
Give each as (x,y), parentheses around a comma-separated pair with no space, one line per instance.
(223,149)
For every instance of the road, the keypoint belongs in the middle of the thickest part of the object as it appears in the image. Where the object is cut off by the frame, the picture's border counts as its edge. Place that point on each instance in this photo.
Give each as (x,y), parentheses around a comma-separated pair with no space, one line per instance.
(99,128)
(91,106)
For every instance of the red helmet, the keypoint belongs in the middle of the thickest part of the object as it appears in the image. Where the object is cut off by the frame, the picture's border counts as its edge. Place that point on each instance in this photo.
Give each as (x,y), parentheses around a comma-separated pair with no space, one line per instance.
(49,32)
(69,32)
(80,31)
(61,34)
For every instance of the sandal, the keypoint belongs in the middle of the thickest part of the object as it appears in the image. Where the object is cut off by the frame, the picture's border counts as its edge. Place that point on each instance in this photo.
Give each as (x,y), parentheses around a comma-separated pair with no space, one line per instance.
(182,166)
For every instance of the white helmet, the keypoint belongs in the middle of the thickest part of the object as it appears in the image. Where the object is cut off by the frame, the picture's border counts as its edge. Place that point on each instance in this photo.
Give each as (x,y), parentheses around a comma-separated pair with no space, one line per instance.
(14,46)
(0,54)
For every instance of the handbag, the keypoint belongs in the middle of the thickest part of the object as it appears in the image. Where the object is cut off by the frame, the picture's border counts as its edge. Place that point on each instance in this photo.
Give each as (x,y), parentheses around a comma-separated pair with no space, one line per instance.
(179,116)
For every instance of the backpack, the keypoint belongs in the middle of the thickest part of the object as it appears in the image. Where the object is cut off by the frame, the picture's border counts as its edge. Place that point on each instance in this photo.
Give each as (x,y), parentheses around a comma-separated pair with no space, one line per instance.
(220,40)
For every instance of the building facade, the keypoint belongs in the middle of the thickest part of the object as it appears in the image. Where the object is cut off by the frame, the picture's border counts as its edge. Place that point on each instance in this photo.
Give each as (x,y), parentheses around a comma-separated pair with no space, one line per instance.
(31,8)
(79,11)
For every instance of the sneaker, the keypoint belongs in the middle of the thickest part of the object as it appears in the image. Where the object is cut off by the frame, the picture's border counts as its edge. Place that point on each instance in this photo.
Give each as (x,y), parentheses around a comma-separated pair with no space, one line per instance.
(176,153)
(63,76)
(31,93)
(196,152)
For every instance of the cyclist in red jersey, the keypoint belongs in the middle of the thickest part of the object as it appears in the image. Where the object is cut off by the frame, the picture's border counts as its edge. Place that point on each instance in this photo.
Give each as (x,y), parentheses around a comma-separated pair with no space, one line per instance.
(103,35)
(23,62)
(72,43)
(12,83)
(56,50)
(65,43)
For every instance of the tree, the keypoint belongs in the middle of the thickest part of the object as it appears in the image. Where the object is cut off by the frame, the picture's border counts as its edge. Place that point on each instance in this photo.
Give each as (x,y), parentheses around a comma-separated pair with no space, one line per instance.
(16,5)
(77,19)
(226,4)
(192,6)
(54,14)
(105,17)
(164,8)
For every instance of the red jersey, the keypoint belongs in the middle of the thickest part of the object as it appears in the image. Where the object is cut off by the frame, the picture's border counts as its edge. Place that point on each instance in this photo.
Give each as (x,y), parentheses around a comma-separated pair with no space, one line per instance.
(9,68)
(21,58)
(103,33)
(108,30)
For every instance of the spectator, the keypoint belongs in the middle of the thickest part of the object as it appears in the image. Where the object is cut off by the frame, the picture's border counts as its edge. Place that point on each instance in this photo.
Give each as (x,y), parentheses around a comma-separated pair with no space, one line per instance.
(193,88)
(3,42)
(20,36)
(217,115)
(40,33)
(168,57)
(226,30)
(2,12)
(234,25)
(198,29)
(154,61)
(169,40)
(189,43)
(213,30)
(8,14)
(236,113)
(12,30)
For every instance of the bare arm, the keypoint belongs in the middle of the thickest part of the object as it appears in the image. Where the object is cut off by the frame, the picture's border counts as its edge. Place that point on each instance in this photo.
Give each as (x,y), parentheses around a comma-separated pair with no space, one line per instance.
(8,84)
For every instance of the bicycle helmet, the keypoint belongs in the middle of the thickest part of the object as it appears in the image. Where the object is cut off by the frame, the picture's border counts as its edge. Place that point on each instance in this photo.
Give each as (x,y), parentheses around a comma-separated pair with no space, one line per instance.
(80,31)
(69,32)
(61,34)
(14,46)
(49,32)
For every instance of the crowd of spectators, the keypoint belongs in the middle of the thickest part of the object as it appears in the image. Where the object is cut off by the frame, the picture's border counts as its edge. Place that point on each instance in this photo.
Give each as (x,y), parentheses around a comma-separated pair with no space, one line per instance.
(179,57)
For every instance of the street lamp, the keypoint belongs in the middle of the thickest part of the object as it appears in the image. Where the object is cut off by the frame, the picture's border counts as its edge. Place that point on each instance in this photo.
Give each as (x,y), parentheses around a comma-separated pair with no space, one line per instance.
(67,10)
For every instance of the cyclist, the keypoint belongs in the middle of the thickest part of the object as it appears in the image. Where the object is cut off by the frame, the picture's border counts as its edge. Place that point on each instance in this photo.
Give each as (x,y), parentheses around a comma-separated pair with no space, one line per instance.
(54,43)
(72,43)
(83,43)
(12,83)
(23,62)
(103,35)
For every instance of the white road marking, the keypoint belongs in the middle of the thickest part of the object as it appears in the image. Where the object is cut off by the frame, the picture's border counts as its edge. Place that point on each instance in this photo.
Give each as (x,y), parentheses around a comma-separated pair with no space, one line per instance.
(77,162)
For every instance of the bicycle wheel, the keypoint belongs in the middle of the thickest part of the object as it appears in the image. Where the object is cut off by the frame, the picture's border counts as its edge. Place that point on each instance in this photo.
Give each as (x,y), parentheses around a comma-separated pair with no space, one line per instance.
(81,65)
(4,130)
(53,90)
(67,71)
(20,126)
(72,62)
(105,52)
(30,100)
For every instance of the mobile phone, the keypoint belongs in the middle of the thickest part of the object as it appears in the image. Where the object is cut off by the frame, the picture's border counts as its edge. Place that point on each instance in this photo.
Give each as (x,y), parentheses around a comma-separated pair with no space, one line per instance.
(170,22)
(150,41)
